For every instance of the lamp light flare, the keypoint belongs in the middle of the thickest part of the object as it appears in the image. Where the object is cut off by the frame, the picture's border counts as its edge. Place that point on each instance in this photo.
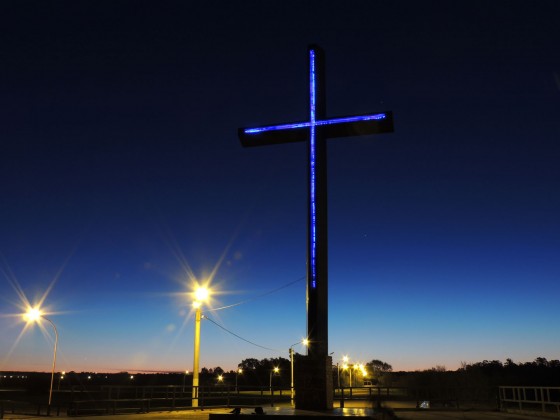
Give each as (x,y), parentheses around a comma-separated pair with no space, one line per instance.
(32,314)
(201,294)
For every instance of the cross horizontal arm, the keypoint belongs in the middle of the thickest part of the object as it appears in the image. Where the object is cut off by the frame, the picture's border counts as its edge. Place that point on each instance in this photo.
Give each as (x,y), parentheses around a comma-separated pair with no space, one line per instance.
(271,135)
(333,127)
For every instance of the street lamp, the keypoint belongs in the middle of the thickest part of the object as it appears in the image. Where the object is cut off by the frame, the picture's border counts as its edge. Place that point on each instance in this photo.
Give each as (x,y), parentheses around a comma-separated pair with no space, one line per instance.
(275,370)
(350,367)
(201,294)
(359,368)
(305,342)
(34,315)
(184,377)
(61,377)
(345,367)
(338,374)
(237,373)
(363,370)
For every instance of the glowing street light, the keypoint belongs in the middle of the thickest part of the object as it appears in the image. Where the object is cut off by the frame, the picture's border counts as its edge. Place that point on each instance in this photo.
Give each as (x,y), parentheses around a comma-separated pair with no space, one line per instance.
(304,342)
(35,315)
(201,294)
(363,370)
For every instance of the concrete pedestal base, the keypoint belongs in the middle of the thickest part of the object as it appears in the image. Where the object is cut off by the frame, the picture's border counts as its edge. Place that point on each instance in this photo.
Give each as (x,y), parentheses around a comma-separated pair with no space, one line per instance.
(313,382)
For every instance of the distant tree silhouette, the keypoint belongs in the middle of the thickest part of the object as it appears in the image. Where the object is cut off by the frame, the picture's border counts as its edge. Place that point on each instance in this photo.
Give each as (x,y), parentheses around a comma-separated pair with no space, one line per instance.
(379,370)
(257,372)
(249,364)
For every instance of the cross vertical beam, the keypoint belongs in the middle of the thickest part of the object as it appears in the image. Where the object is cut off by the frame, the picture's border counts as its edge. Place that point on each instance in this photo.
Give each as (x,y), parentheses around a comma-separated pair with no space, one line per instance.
(317,236)
(315,131)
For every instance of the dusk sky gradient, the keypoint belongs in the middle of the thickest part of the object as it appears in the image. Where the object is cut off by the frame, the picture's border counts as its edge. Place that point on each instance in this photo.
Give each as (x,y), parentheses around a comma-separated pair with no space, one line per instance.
(120,166)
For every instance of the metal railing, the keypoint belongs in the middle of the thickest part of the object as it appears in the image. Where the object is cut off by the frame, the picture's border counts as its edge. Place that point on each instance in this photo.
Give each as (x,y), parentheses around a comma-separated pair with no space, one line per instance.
(530,398)
(373,394)
(120,399)
(27,408)
(142,399)
(441,397)
(128,398)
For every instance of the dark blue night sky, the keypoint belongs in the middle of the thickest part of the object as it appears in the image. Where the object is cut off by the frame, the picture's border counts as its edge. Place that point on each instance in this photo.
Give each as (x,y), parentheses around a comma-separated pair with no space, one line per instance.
(121,167)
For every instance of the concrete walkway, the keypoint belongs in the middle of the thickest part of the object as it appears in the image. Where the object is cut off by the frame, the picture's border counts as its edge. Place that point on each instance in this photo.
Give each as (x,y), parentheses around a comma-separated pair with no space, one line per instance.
(347,412)
(462,415)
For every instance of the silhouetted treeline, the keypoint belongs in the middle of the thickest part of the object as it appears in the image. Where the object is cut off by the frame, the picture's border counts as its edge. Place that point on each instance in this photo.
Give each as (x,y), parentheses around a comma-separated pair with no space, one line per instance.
(253,373)
(258,372)
(540,372)
(485,374)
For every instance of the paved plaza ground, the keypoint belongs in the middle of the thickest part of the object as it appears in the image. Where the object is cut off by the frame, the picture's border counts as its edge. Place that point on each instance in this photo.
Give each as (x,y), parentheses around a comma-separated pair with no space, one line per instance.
(399,414)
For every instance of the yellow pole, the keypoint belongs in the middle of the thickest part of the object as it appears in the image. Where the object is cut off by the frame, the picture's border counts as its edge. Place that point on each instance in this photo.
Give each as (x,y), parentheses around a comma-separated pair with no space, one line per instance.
(292,376)
(196,357)
(54,358)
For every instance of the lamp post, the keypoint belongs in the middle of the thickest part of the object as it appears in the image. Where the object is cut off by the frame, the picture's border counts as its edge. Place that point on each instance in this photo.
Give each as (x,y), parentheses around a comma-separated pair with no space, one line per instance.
(338,374)
(361,369)
(60,378)
(33,315)
(349,369)
(347,366)
(237,373)
(305,342)
(275,370)
(201,294)
(185,377)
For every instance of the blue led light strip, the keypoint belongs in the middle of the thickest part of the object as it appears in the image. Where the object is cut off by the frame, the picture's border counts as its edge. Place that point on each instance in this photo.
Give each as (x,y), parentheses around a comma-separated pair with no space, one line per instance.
(317,122)
(312,159)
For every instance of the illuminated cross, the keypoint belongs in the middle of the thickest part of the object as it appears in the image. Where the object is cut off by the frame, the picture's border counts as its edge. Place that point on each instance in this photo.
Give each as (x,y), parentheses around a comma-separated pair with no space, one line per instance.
(315,131)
